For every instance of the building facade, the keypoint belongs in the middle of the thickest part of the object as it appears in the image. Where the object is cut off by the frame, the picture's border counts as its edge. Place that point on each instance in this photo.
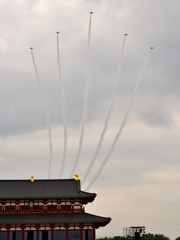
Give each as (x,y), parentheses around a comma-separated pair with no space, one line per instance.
(46,210)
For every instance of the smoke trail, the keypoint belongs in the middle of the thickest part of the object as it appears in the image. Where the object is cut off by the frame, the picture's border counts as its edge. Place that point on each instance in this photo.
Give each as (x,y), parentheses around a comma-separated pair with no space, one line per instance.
(123,122)
(108,114)
(46,113)
(85,101)
(63,108)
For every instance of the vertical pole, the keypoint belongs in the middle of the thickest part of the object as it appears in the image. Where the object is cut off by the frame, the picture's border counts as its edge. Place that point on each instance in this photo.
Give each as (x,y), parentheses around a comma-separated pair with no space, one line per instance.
(52,233)
(37,234)
(66,233)
(22,233)
(94,233)
(7,233)
(81,234)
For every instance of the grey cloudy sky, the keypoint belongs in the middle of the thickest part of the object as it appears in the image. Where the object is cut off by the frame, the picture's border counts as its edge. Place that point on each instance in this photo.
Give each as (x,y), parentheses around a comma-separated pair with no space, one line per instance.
(140,183)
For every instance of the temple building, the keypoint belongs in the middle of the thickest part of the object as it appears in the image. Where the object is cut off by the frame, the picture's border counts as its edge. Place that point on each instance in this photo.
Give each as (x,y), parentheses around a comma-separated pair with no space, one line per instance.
(46,210)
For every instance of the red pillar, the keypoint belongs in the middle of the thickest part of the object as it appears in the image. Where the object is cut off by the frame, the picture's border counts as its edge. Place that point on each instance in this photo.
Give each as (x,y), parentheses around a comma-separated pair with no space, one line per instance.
(37,234)
(22,233)
(52,233)
(22,228)
(66,233)
(81,234)
(94,233)
(8,234)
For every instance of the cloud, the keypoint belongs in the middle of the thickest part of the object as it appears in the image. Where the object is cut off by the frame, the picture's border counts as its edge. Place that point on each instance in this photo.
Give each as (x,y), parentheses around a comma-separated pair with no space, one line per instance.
(139,184)
(155,112)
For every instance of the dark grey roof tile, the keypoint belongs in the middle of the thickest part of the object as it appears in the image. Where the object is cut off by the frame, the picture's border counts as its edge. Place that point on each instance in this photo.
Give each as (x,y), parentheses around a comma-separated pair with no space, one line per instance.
(54,218)
(43,189)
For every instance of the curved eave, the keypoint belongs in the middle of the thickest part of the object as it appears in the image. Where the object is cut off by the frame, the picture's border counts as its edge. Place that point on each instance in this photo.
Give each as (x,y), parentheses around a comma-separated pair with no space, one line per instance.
(54,218)
(44,189)
(88,197)
(84,198)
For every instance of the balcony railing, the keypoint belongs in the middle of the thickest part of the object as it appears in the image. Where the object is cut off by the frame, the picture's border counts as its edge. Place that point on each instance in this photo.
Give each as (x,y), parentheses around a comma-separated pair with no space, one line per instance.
(38,209)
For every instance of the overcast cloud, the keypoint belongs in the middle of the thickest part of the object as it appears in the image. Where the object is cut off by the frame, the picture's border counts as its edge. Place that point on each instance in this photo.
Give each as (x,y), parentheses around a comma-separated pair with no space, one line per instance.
(140,183)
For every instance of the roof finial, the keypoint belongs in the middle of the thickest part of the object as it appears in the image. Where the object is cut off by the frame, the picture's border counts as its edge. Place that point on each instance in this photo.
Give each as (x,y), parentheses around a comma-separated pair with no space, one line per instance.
(77,177)
(32,178)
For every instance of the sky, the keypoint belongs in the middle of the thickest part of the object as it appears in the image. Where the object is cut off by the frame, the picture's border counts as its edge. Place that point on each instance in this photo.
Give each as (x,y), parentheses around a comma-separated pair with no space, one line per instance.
(140,182)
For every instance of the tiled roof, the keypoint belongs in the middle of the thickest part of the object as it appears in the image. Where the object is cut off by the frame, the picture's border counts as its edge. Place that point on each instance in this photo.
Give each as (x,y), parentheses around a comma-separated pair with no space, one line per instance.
(44,189)
(52,218)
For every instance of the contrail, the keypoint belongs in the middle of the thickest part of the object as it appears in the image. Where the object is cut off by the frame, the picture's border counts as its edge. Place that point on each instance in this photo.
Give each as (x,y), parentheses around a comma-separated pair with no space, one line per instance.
(46,113)
(108,114)
(85,101)
(123,122)
(63,108)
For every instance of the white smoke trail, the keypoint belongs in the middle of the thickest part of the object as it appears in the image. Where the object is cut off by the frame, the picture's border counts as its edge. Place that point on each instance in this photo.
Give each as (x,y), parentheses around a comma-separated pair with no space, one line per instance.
(123,122)
(46,113)
(85,101)
(108,114)
(63,108)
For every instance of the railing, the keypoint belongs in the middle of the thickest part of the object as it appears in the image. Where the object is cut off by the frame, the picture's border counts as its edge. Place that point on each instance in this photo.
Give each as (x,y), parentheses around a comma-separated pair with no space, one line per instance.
(39,210)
